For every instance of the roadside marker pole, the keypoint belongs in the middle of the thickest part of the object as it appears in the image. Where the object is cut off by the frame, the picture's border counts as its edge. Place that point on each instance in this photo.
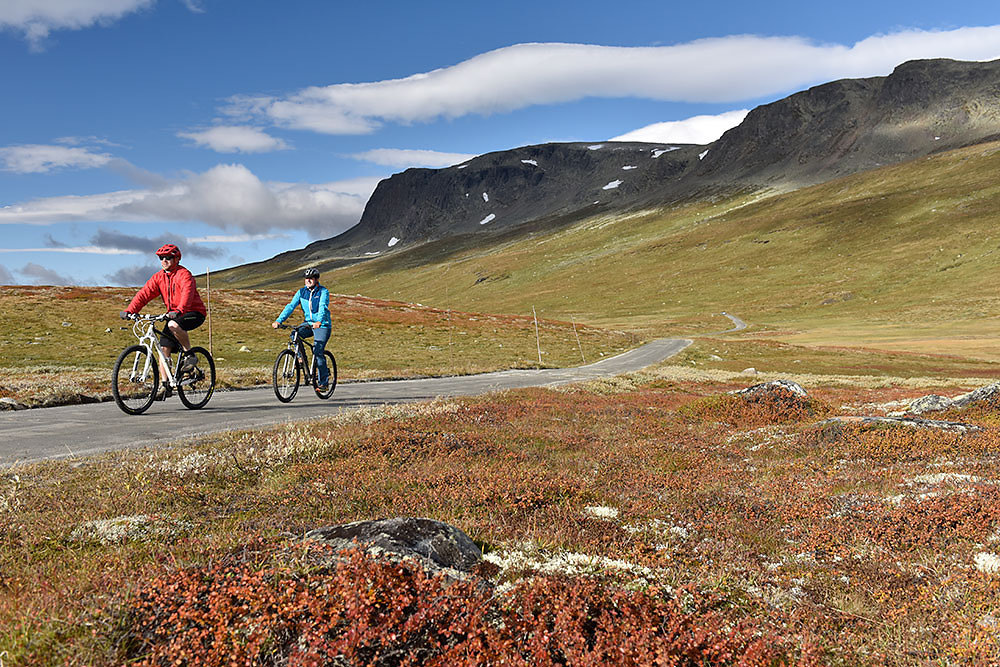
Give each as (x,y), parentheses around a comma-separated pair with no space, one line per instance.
(208,289)
(582,358)
(538,342)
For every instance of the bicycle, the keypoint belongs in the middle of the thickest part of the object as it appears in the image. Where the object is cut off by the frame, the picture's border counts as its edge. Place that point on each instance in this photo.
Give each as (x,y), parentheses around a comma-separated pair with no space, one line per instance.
(292,364)
(136,376)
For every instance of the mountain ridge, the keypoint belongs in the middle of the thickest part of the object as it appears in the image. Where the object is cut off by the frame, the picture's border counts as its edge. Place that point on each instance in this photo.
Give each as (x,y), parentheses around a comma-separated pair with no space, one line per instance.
(818,134)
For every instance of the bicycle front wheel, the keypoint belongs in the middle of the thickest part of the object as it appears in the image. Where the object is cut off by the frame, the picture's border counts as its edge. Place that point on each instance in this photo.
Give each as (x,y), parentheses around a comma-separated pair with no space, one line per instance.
(331,365)
(286,376)
(196,385)
(135,379)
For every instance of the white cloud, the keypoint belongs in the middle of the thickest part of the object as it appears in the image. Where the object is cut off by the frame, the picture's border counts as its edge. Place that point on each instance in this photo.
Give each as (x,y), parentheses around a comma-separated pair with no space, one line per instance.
(38,158)
(6,278)
(37,18)
(694,130)
(226,196)
(235,139)
(717,70)
(402,157)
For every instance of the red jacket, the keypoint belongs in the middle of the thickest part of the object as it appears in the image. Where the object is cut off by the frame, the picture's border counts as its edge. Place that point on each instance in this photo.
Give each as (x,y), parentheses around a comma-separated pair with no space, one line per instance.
(178,290)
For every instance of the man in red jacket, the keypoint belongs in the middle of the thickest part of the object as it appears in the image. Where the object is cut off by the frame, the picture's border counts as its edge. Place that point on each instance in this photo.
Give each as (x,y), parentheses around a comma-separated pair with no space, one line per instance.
(176,286)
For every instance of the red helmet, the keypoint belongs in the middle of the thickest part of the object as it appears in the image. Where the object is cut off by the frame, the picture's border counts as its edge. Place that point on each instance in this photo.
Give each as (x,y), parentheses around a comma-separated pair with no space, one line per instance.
(169,250)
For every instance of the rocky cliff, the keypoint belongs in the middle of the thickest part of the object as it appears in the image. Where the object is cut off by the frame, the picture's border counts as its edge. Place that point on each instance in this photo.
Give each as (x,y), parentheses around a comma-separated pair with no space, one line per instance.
(813,136)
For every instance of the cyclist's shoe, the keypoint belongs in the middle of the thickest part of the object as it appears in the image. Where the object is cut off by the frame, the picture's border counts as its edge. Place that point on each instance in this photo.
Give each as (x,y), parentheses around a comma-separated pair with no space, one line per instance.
(165,392)
(189,363)
(322,387)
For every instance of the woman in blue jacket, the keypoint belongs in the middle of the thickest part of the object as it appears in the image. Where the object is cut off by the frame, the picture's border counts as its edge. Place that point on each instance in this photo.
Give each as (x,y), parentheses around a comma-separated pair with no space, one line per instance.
(314,299)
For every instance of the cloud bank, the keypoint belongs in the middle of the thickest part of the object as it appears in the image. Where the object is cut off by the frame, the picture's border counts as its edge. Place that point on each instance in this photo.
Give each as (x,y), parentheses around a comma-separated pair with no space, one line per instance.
(694,130)
(401,158)
(35,19)
(39,158)
(717,70)
(235,139)
(226,196)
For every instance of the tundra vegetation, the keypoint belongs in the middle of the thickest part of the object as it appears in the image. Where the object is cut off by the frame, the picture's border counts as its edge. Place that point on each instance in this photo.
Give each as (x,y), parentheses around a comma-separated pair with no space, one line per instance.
(654,516)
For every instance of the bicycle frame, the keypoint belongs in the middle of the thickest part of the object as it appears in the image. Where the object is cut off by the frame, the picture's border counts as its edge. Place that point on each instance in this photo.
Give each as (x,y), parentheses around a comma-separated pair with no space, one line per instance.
(298,346)
(144,329)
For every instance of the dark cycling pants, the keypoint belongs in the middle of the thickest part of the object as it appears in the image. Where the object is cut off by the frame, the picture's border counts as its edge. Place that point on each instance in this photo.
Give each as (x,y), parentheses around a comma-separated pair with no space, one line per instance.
(319,345)
(187,321)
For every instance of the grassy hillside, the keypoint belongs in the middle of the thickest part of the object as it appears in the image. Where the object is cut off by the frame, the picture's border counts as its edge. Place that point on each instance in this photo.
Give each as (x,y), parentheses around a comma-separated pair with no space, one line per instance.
(61,342)
(901,258)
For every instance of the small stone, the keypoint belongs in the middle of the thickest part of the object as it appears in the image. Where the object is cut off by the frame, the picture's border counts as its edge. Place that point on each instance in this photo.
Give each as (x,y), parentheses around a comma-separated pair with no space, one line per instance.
(7,403)
(244,348)
(750,371)
(67,324)
(108,330)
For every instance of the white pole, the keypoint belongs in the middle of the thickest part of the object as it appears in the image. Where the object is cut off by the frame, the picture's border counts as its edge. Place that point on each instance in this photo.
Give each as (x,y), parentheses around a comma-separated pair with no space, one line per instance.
(208,289)
(582,358)
(538,342)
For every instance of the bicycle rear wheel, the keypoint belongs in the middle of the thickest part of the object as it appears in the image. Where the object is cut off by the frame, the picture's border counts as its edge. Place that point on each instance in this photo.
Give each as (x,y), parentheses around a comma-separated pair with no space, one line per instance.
(286,376)
(135,379)
(195,386)
(331,364)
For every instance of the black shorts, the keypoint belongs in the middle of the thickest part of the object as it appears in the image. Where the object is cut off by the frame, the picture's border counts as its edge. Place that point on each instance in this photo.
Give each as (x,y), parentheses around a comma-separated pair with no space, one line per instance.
(187,321)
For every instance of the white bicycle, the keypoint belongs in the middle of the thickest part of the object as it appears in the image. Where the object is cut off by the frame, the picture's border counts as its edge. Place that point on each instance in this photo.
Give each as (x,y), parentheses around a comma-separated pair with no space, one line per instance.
(136,377)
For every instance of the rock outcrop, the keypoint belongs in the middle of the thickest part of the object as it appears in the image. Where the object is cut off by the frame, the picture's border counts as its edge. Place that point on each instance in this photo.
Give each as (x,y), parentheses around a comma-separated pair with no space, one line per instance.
(774,388)
(436,546)
(935,403)
(913,422)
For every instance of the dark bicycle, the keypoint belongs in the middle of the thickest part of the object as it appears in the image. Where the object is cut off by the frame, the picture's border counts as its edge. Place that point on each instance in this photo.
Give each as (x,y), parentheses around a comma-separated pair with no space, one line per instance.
(293,367)
(136,375)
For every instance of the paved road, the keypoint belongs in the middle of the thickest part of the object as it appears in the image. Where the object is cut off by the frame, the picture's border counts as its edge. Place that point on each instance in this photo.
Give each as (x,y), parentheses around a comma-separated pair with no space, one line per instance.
(738,324)
(80,430)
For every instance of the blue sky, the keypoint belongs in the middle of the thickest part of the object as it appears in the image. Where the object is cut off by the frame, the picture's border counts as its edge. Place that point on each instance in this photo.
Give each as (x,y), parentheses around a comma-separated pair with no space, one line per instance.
(239,129)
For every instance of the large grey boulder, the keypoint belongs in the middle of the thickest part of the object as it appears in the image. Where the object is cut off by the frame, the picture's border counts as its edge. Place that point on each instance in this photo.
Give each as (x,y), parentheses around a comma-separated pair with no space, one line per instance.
(929,403)
(783,388)
(987,393)
(936,403)
(436,546)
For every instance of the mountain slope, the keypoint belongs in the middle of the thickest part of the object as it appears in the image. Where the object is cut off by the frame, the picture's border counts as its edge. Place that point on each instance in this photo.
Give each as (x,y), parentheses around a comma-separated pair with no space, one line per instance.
(881,258)
(826,132)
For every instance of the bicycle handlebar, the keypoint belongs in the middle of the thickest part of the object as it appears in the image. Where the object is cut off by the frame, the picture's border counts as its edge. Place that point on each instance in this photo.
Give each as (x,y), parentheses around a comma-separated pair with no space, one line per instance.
(143,318)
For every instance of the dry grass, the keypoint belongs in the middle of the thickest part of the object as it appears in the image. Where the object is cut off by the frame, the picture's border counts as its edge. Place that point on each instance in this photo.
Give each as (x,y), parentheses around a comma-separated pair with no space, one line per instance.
(58,344)
(849,546)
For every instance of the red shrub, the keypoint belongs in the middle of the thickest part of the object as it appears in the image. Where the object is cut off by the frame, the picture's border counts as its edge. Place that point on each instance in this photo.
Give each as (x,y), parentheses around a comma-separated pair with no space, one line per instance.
(756,411)
(370,612)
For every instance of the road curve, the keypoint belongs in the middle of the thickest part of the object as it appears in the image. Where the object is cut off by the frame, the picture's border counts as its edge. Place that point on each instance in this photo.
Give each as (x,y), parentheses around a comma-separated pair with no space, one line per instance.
(81,430)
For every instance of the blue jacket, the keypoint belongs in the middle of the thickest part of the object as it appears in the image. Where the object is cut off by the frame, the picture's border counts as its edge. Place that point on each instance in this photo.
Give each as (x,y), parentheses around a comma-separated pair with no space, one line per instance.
(315,304)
